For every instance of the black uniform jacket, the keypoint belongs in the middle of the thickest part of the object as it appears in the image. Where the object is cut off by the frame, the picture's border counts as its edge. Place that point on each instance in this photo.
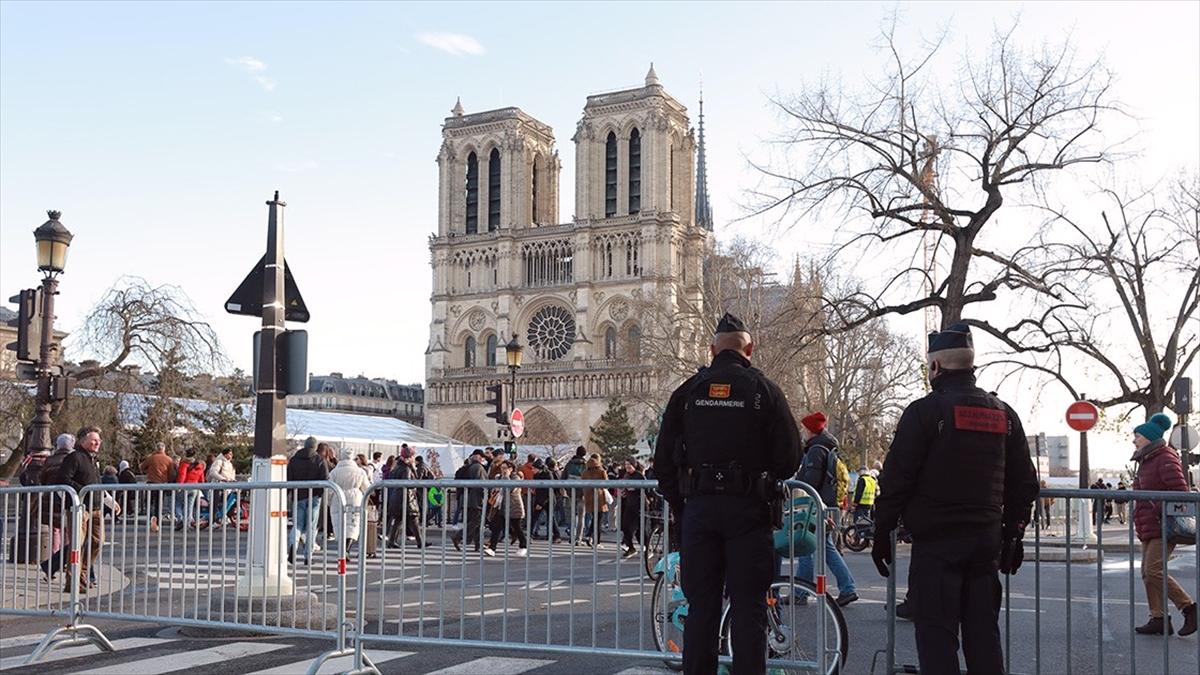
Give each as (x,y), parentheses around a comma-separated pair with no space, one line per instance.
(959,462)
(754,427)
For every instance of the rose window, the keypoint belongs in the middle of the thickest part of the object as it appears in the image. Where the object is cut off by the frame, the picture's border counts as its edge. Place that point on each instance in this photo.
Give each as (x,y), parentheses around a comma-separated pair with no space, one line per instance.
(551,332)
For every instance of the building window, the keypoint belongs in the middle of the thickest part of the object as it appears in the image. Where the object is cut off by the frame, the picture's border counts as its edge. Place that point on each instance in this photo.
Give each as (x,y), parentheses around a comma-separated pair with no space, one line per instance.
(635,343)
(472,194)
(469,353)
(533,196)
(635,172)
(494,190)
(551,333)
(610,176)
(610,343)
(490,358)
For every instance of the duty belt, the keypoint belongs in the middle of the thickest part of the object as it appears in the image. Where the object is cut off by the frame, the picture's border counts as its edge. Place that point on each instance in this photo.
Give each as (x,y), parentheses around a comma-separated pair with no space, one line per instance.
(719,479)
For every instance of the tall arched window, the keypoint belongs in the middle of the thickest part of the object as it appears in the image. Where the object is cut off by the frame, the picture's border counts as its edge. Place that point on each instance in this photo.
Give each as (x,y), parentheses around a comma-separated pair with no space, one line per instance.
(535,174)
(472,194)
(469,353)
(610,343)
(635,172)
(494,190)
(635,343)
(610,176)
(490,358)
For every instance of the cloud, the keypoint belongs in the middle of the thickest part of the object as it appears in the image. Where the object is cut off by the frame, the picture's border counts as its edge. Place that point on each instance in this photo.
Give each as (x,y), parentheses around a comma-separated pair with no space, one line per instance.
(296,167)
(454,44)
(255,69)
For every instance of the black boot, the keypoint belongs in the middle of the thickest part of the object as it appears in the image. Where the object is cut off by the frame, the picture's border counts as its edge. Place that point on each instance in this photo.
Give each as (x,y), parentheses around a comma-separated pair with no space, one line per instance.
(1155,627)
(1189,620)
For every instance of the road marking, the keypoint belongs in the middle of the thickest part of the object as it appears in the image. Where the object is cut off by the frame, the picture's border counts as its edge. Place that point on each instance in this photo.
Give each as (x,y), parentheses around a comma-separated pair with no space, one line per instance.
(328,667)
(493,665)
(82,650)
(184,660)
(642,670)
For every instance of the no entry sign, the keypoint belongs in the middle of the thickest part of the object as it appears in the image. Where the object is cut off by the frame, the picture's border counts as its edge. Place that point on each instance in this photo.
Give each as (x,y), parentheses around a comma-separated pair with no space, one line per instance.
(516,422)
(1082,415)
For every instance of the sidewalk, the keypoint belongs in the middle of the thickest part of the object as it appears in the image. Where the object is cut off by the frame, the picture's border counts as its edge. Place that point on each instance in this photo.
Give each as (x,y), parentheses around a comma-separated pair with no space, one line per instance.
(25,587)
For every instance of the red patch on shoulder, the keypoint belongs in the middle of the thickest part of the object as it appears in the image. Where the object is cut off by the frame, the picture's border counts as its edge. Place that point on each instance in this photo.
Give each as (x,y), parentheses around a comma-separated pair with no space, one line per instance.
(987,420)
(718,391)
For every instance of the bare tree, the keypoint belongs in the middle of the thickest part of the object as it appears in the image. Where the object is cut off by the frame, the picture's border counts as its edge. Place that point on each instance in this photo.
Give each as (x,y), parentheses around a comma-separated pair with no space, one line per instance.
(136,323)
(918,171)
(1134,265)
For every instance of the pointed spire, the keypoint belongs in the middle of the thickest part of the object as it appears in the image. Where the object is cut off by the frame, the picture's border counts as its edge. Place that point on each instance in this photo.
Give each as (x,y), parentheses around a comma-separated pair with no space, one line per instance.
(704,217)
(651,76)
(457,110)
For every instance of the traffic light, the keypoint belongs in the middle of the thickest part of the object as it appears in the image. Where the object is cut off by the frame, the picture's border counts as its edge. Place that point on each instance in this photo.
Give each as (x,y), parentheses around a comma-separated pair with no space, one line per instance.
(291,361)
(1183,396)
(28,324)
(498,397)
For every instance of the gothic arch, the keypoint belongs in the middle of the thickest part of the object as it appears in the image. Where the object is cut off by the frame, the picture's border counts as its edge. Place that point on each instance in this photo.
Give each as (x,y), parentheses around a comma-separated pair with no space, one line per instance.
(470,433)
(543,428)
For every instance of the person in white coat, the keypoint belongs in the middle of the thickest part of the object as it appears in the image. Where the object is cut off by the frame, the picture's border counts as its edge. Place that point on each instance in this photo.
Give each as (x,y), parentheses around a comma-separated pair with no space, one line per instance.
(354,483)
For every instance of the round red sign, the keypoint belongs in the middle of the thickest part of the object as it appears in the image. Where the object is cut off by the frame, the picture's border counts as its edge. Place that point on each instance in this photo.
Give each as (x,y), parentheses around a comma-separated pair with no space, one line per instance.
(1082,415)
(516,422)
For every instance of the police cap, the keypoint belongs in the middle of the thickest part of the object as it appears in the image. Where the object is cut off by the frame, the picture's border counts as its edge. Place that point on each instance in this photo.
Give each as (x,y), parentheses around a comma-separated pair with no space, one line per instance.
(957,336)
(730,324)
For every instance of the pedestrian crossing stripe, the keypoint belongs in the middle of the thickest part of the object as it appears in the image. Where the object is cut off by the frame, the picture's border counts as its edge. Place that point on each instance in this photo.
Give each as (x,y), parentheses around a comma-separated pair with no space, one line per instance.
(493,665)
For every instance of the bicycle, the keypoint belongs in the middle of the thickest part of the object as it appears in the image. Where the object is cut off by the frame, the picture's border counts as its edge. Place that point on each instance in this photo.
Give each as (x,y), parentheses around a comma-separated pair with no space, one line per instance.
(793,606)
(859,534)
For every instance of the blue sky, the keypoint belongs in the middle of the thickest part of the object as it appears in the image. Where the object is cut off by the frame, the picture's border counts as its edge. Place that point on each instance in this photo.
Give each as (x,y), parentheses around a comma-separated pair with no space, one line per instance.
(160,129)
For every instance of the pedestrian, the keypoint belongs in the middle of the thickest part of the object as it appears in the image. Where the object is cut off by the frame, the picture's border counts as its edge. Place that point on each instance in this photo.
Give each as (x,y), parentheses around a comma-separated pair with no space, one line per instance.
(593,503)
(820,470)
(377,464)
(632,500)
(305,465)
(430,497)
(79,470)
(575,466)
(1158,468)
(158,467)
(960,474)
(125,476)
(507,505)
(528,469)
(354,482)
(727,437)
(1047,504)
(1121,504)
(404,508)
(54,511)
(473,501)
(191,471)
(460,493)
(221,470)
(1041,510)
(546,500)
(865,489)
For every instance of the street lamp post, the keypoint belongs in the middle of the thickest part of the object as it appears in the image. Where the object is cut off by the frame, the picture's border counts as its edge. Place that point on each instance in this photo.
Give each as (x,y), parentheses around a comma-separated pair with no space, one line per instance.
(53,240)
(512,352)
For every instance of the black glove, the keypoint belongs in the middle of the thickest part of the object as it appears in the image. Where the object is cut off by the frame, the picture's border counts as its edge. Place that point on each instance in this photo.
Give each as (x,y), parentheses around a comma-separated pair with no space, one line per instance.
(1012,550)
(881,552)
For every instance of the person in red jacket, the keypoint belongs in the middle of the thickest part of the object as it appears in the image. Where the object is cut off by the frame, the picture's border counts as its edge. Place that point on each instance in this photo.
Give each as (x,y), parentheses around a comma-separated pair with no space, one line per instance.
(1159,468)
(191,470)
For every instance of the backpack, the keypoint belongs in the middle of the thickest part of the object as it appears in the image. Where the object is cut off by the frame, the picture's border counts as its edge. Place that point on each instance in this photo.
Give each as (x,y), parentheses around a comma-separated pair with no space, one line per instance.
(574,467)
(843,481)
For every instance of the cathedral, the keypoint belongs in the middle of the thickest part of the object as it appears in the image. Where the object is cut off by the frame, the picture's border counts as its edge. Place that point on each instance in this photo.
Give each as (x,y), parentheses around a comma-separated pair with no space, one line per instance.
(575,294)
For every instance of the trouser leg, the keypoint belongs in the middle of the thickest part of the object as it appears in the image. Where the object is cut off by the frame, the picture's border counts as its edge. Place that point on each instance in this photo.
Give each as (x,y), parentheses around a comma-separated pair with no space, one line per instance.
(980,611)
(517,526)
(751,565)
(934,589)
(702,568)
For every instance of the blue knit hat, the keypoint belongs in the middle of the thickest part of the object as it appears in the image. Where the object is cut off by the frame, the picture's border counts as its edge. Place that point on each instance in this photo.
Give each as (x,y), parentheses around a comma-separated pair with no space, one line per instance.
(1154,428)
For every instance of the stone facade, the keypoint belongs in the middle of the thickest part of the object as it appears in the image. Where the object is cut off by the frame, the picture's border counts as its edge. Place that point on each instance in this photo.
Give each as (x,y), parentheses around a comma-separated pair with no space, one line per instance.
(573,293)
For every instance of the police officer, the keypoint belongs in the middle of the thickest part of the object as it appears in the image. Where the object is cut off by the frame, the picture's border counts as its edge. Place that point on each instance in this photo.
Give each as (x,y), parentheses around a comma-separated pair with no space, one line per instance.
(727,437)
(960,475)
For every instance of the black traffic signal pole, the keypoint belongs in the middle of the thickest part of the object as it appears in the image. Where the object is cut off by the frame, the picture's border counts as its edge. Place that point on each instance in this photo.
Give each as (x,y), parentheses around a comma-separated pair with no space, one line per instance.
(270,418)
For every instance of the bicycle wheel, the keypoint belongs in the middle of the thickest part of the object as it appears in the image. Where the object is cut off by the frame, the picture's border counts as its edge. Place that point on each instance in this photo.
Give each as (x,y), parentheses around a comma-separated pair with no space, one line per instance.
(853,540)
(653,550)
(793,620)
(668,635)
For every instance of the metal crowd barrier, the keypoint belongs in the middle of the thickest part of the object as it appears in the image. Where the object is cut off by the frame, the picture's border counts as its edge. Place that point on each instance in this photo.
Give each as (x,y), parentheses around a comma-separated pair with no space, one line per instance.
(413,585)
(1098,599)
(181,555)
(547,596)
(39,528)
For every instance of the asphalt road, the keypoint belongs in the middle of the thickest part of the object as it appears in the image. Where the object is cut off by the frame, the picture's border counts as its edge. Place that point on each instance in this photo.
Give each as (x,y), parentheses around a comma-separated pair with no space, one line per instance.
(567,596)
